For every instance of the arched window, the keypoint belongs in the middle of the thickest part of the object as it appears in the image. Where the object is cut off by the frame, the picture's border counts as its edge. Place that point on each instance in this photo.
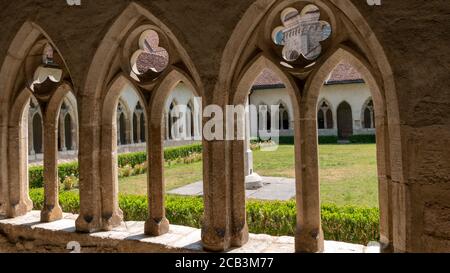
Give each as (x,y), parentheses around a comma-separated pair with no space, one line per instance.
(268,121)
(37,133)
(172,120)
(121,125)
(369,115)
(264,119)
(329,116)
(325,116)
(190,132)
(68,132)
(135,129)
(321,119)
(284,118)
(122,132)
(142,126)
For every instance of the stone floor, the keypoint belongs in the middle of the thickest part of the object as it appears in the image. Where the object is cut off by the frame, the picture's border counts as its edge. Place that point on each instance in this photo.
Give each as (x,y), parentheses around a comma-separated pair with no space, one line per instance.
(130,238)
(275,188)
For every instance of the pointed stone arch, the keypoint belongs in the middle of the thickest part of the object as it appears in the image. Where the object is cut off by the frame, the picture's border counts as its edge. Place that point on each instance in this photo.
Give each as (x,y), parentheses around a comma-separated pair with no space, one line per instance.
(157,223)
(246,42)
(387,127)
(107,62)
(112,216)
(238,230)
(15,88)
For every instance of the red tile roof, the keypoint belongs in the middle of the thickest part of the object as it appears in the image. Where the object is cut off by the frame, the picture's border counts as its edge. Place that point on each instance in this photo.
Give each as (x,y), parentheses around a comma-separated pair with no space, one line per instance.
(343,73)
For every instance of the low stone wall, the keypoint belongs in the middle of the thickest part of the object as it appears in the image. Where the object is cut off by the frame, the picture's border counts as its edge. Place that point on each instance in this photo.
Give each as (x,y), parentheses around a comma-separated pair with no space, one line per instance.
(27,235)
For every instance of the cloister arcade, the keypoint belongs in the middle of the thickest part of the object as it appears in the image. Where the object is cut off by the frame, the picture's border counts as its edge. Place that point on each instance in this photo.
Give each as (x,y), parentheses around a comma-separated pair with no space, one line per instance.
(150,47)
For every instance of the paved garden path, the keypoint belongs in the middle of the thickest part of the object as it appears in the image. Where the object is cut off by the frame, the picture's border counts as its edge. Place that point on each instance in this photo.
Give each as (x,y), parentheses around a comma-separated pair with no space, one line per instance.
(275,188)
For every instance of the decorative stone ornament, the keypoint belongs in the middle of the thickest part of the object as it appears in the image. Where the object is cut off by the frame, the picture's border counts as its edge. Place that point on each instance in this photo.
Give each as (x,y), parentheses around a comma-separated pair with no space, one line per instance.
(150,58)
(301,33)
(48,70)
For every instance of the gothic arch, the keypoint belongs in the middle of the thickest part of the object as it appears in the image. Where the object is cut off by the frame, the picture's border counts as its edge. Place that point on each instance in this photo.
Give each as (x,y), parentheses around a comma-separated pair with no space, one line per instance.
(52,210)
(112,215)
(15,81)
(157,223)
(247,42)
(107,62)
(242,87)
(387,127)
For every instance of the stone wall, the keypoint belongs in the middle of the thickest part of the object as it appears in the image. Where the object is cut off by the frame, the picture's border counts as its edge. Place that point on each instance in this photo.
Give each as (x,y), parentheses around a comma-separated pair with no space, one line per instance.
(410,38)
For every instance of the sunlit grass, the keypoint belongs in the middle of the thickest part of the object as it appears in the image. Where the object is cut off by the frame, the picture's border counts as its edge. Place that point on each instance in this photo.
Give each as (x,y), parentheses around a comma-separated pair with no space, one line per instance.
(348,173)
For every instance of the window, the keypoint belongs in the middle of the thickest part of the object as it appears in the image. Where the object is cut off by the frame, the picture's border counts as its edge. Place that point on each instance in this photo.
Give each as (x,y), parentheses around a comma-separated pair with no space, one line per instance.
(325,116)
(284,118)
(369,115)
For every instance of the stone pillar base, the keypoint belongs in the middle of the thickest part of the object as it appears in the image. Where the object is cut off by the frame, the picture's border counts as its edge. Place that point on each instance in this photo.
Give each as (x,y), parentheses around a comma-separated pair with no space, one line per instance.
(309,241)
(87,224)
(19,209)
(215,240)
(51,214)
(109,223)
(387,247)
(240,238)
(156,227)
(253,182)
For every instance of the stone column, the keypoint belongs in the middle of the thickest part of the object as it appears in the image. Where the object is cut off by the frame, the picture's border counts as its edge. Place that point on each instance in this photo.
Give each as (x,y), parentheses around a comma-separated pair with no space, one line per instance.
(19,200)
(89,153)
(51,210)
(252,179)
(112,215)
(309,237)
(157,223)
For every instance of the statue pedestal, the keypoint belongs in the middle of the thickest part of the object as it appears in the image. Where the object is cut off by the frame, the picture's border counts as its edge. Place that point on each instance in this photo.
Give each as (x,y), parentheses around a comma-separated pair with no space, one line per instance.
(253,182)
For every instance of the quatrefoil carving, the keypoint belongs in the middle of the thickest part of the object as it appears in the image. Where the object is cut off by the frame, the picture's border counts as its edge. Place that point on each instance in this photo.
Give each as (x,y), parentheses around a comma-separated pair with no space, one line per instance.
(150,57)
(301,33)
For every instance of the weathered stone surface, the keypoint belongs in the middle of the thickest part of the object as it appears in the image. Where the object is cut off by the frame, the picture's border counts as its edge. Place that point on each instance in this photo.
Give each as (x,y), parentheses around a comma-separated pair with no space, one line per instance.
(219,47)
(26,234)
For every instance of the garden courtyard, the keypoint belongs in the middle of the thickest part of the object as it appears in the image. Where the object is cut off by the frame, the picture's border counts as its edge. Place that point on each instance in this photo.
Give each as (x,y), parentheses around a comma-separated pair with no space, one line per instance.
(348,173)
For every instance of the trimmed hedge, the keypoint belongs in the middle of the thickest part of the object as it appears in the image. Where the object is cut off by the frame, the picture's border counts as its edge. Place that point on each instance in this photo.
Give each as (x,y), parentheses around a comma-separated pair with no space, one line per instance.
(356,139)
(170,154)
(363,139)
(289,140)
(36,174)
(174,153)
(278,218)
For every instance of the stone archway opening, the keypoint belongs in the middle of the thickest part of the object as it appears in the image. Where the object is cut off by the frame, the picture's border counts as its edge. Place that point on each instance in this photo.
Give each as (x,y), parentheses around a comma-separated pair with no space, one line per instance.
(183,173)
(362,164)
(247,183)
(347,151)
(118,129)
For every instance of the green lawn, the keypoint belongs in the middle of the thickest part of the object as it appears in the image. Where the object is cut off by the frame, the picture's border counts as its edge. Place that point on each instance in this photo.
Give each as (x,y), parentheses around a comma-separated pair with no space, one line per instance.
(347,173)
